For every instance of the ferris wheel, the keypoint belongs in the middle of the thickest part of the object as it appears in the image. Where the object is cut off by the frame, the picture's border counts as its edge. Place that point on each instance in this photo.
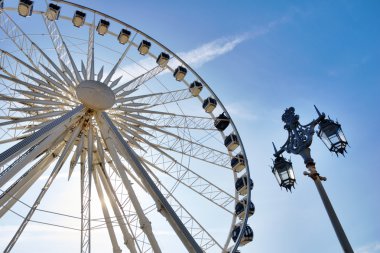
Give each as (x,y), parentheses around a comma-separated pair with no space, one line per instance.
(142,137)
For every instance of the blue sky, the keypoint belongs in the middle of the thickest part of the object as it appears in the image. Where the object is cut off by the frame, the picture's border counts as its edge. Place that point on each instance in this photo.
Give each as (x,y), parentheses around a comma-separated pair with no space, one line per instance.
(261,57)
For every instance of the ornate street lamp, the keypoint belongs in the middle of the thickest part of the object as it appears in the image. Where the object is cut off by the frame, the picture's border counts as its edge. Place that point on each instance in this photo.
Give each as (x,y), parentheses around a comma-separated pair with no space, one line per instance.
(299,140)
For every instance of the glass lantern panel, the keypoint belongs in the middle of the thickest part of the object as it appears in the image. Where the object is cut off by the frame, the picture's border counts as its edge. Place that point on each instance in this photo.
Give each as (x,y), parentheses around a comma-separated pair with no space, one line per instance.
(277,177)
(291,173)
(341,135)
(284,175)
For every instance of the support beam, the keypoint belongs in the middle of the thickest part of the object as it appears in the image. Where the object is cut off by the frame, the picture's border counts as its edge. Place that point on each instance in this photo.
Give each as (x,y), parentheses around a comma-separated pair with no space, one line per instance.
(164,206)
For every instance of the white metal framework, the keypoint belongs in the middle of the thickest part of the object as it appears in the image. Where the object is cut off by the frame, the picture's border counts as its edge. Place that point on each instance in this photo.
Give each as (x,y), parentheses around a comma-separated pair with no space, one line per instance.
(137,127)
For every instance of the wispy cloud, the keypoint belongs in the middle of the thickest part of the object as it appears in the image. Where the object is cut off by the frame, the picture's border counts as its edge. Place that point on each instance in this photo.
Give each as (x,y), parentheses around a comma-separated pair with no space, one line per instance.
(208,51)
(370,248)
(211,50)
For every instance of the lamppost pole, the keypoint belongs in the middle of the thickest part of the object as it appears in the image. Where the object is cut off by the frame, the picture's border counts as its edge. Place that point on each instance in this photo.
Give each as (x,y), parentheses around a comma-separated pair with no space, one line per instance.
(298,142)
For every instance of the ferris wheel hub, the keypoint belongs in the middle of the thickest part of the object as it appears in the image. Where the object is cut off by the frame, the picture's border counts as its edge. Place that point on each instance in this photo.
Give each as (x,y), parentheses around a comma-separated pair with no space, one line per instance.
(95,95)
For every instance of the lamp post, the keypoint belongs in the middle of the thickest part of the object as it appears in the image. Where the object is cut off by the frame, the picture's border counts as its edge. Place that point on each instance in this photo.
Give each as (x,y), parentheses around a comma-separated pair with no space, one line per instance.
(299,140)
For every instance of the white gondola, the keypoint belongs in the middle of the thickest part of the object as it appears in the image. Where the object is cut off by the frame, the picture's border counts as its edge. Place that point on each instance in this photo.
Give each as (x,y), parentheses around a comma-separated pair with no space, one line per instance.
(102,27)
(241,185)
(222,122)
(240,208)
(144,47)
(180,73)
(195,88)
(163,59)
(238,163)
(52,12)
(209,104)
(25,8)
(79,18)
(124,35)
(247,236)
(231,142)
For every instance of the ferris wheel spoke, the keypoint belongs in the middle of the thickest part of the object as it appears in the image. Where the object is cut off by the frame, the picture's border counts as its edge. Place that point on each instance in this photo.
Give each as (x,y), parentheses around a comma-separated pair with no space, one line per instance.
(76,155)
(30,155)
(66,80)
(60,47)
(52,87)
(183,121)
(91,51)
(29,48)
(30,101)
(11,59)
(122,57)
(203,237)
(166,210)
(144,222)
(115,82)
(138,81)
(124,222)
(137,110)
(58,125)
(34,109)
(106,214)
(20,39)
(111,164)
(47,185)
(12,139)
(85,204)
(31,94)
(182,174)
(165,98)
(40,117)
(175,143)
(20,186)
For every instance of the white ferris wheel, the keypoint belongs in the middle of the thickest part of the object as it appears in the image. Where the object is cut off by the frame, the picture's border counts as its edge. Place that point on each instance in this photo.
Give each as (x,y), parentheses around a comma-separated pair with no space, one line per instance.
(121,118)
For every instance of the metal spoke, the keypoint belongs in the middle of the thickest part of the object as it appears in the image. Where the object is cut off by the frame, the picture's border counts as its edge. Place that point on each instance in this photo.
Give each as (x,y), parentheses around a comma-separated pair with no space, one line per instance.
(187,177)
(60,47)
(166,210)
(110,75)
(30,49)
(205,239)
(138,81)
(23,183)
(47,185)
(144,222)
(90,52)
(130,219)
(111,232)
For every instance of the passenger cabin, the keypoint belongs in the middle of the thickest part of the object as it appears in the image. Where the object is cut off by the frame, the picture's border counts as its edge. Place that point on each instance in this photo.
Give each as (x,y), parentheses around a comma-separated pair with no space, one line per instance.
(79,18)
(238,163)
(209,104)
(222,122)
(123,36)
(247,236)
(144,47)
(180,73)
(52,12)
(102,27)
(241,185)
(163,59)
(240,208)
(195,88)
(1,4)
(231,142)
(25,8)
